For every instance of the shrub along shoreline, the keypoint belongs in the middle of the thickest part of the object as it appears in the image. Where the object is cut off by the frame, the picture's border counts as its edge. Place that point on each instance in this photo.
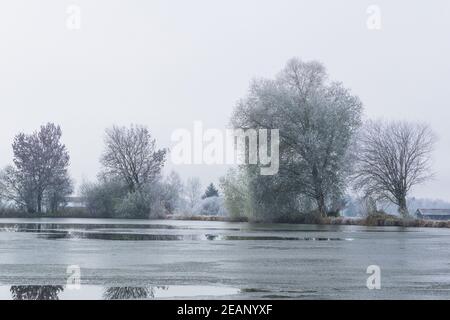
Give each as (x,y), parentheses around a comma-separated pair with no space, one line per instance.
(375,220)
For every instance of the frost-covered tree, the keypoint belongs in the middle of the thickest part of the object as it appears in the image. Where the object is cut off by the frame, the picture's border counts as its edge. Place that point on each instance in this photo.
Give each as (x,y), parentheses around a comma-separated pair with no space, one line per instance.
(212,206)
(173,190)
(131,154)
(261,198)
(317,120)
(193,192)
(392,158)
(40,170)
(131,185)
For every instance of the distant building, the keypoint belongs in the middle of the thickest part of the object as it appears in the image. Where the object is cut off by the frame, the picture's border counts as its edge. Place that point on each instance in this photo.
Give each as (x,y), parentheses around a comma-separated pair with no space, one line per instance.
(433,214)
(75,202)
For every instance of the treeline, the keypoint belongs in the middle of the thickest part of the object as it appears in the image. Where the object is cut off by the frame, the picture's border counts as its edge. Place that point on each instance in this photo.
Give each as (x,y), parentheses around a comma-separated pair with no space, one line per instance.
(130,184)
(326,151)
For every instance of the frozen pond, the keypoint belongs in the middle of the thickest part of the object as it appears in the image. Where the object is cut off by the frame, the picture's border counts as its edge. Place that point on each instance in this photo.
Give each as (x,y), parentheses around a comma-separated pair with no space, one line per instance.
(159,259)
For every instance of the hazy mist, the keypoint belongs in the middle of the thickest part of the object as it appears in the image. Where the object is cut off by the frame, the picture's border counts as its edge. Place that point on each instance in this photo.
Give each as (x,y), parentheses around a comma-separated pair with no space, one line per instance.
(166,64)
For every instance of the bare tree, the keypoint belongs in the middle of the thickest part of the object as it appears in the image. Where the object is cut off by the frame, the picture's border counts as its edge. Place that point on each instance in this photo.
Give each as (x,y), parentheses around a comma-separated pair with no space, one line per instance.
(40,164)
(392,158)
(131,155)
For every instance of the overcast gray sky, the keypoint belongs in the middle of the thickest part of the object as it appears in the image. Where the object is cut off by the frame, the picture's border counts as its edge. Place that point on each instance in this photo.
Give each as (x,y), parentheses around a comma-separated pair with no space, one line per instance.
(167,63)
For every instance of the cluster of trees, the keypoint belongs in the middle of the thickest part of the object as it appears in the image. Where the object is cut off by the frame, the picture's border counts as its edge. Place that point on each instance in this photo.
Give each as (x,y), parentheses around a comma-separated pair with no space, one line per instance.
(325,149)
(130,184)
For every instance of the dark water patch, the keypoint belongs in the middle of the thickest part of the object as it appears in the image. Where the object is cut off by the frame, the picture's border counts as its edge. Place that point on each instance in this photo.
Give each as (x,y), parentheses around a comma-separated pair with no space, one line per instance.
(137,232)
(260,290)
(276,238)
(169,237)
(36,227)
(115,236)
(249,238)
(52,235)
(118,236)
(272,247)
(254,290)
(299,291)
(288,230)
(399,230)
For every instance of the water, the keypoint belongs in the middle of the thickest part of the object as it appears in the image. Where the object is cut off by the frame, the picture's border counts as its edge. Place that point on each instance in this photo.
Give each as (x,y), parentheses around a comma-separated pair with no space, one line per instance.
(95,292)
(135,259)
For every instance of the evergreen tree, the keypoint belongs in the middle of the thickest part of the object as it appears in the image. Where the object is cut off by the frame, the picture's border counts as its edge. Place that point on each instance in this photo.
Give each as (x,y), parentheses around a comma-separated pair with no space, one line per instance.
(211,191)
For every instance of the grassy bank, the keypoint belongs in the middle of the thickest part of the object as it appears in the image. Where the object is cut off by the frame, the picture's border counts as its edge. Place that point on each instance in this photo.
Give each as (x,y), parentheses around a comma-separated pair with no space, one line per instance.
(387,220)
(205,218)
(374,220)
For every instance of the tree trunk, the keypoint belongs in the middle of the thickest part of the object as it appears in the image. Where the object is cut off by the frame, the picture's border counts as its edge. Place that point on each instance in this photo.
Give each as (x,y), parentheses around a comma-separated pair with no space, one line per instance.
(320,198)
(403,208)
(39,203)
(31,208)
(321,205)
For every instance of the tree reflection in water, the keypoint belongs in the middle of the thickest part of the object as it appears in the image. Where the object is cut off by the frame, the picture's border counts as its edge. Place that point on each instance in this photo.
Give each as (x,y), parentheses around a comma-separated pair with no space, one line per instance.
(36,292)
(111,293)
(130,293)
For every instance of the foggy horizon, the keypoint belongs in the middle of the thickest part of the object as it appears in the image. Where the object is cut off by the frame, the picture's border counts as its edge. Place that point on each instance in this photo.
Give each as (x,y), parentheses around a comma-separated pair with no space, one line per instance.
(174,67)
